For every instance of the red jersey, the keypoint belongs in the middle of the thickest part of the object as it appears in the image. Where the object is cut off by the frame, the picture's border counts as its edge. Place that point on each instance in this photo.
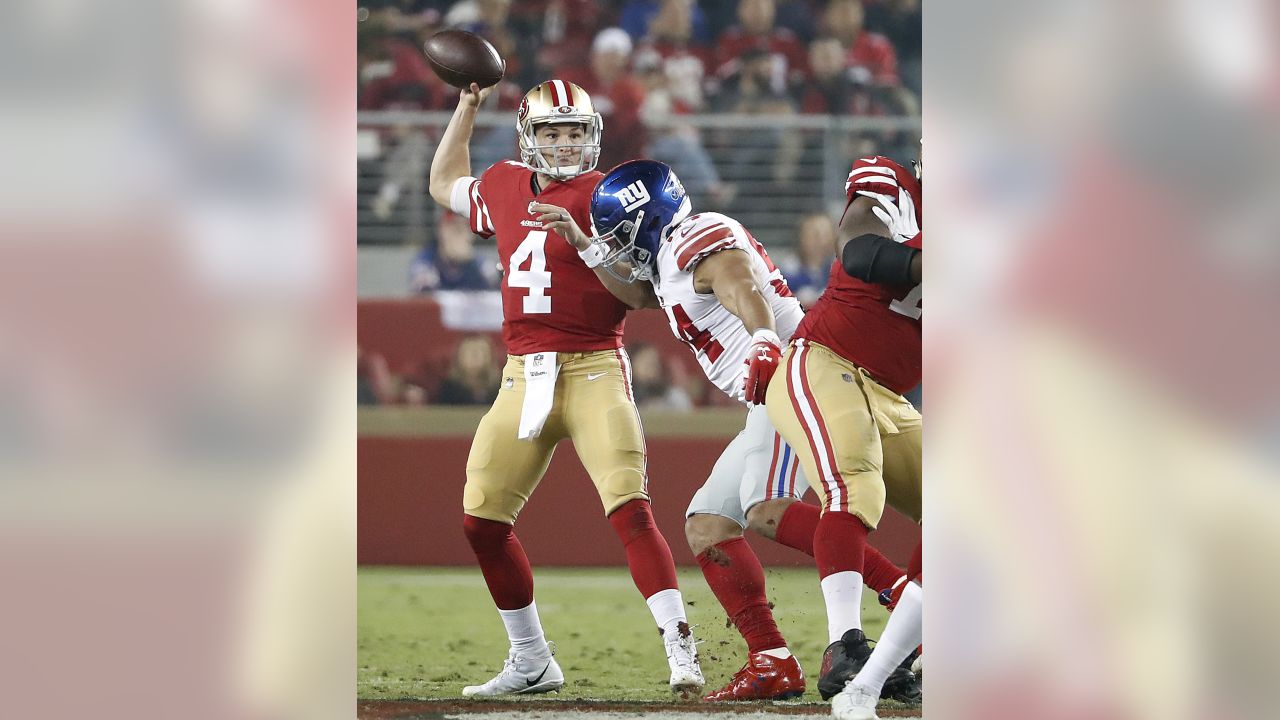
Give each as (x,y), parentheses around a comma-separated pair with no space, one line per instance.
(551,301)
(874,326)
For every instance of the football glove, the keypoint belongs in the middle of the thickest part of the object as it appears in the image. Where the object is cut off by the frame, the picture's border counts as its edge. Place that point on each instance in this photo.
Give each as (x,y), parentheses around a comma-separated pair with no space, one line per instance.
(762,362)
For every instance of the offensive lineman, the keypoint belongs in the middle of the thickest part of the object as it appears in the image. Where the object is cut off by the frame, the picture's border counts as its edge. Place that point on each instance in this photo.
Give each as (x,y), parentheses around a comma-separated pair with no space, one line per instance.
(839,403)
(566,376)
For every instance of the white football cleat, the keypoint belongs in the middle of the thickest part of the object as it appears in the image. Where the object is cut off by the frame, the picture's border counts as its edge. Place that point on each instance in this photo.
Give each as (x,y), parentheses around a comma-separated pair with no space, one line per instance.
(855,702)
(521,675)
(682,656)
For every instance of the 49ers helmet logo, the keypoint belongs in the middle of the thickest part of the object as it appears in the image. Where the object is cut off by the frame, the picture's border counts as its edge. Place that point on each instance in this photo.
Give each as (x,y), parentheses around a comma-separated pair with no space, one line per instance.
(524,110)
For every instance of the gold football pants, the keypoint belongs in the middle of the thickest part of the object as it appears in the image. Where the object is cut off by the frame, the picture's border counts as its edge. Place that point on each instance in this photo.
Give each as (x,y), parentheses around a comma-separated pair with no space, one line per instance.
(593,407)
(858,441)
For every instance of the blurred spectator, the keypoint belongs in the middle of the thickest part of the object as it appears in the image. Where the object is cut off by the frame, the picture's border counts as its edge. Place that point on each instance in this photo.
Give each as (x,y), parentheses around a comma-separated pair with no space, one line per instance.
(393,73)
(832,87)
(452,263)
(753,90)
(651,384)
(617,95)
(676,142)
(685,61)
(403,188)
(797,16)
(870,56)
(563,28)
(752,83)
(490,19)
(637,15)
(375,384)
(901,22)
(756,31)
(815,249)
(474,377)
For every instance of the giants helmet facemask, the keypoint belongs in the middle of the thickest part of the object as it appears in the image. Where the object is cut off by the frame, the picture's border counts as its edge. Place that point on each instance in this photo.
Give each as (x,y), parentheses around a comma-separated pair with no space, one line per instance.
(633,209)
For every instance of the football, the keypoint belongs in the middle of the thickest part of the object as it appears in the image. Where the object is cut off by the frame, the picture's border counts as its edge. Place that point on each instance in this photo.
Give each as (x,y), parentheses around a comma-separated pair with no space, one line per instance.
(461,58)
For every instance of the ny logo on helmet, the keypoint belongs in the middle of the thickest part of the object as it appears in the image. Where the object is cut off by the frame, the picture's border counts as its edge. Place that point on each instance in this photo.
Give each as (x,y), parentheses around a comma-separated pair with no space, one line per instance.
(633,196)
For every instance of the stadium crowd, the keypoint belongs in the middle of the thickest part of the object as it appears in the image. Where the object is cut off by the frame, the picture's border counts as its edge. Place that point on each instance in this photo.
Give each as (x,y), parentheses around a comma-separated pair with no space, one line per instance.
(852,57)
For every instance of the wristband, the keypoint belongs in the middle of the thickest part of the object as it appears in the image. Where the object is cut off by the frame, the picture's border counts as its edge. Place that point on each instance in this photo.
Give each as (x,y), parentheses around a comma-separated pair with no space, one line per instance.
(766,335)
(592,256)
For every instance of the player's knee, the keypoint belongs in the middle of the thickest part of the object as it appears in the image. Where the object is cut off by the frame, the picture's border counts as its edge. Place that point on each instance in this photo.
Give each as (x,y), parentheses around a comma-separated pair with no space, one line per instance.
(482,533)
(704,531)
(763,518)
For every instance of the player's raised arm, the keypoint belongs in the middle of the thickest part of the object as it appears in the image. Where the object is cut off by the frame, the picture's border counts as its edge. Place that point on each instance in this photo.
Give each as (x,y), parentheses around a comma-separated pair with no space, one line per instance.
(636,295)
(452,160)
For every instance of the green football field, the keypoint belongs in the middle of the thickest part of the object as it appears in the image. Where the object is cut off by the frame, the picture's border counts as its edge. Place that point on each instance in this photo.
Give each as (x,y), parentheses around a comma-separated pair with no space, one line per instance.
(424,633)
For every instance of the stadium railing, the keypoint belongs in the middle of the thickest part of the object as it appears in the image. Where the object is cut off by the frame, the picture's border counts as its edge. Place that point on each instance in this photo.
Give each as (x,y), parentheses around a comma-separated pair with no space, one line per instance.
(768,171)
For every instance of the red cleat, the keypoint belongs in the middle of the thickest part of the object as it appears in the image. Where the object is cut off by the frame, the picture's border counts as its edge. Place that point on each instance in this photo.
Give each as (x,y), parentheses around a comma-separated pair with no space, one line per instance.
(764,677)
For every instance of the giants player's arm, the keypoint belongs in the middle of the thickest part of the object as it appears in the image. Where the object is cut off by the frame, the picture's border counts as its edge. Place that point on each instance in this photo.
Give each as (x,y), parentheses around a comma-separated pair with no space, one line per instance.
(728,274)
(867,253)
(636,295)
(452,161)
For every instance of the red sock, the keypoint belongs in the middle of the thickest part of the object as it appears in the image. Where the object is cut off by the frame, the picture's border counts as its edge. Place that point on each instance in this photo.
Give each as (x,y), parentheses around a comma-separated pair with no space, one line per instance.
(915,568)
(648,554)
(502,561)
(877,572)
(734,573)
(839,543)
(797,525)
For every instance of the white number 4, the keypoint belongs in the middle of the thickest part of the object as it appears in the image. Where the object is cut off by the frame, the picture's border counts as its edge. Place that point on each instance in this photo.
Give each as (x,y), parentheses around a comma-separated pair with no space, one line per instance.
(537,279)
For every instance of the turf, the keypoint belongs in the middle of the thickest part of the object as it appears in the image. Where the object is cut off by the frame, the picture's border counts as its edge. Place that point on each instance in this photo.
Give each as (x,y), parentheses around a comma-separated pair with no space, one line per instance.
(424,633)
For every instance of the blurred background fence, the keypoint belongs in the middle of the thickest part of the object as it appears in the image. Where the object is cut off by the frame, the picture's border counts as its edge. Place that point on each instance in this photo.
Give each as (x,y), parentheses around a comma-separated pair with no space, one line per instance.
(768,171)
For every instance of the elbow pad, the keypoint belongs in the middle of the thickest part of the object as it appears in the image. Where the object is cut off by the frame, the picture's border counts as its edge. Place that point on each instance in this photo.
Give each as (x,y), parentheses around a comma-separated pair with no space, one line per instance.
(876,259)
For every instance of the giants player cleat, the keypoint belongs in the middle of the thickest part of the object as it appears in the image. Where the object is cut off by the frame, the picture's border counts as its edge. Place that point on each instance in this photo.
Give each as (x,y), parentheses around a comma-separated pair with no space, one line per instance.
(521,676)
(764,677)
(855,702)
(682,656)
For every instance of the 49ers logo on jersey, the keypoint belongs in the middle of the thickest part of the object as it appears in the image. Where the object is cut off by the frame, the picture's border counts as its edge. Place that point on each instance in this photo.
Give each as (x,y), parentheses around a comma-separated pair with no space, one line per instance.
(633,196)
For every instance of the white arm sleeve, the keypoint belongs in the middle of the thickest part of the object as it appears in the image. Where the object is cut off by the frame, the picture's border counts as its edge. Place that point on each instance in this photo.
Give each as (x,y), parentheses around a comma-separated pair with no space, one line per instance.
(460,196)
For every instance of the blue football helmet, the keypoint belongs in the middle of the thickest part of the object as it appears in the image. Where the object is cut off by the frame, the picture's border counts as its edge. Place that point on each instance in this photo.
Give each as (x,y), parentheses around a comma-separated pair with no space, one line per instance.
(633,209)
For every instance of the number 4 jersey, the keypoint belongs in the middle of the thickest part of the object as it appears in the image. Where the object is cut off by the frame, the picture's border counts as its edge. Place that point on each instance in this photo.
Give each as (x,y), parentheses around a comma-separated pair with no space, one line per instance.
(716,336)
(874,326)
(551,301)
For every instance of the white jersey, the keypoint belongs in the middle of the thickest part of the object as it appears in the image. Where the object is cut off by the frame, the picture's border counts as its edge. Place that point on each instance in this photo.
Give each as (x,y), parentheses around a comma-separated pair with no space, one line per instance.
(715,335)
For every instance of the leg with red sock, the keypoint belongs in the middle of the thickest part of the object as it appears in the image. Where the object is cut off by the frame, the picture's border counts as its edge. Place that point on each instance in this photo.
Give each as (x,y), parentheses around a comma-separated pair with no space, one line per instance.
(735,575)
(796,528)
(654,572)
(839,544)
(530,668)
(881,675)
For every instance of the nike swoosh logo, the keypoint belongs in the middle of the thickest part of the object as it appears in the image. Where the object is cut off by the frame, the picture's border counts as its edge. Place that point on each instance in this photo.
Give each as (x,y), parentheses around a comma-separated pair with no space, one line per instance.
(537,679)
(596,376)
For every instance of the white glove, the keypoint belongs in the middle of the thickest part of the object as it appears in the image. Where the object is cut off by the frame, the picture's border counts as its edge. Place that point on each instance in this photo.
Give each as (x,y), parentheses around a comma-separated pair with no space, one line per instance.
(899,216)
